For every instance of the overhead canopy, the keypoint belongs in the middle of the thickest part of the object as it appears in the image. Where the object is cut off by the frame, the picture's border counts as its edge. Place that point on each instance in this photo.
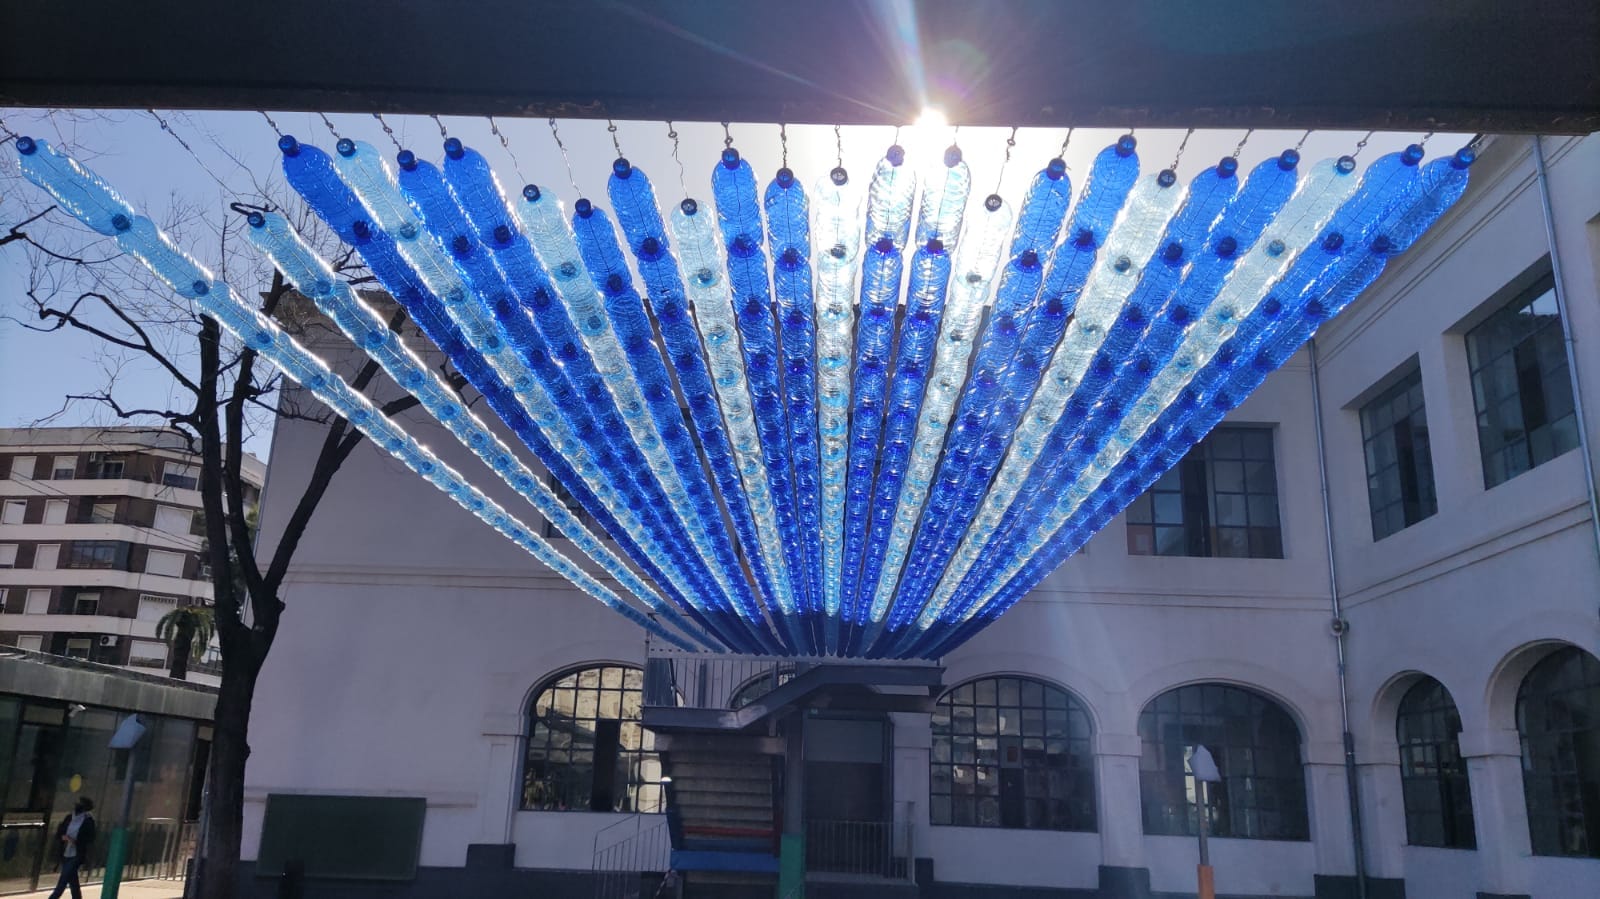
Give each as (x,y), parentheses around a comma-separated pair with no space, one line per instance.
(1446,65)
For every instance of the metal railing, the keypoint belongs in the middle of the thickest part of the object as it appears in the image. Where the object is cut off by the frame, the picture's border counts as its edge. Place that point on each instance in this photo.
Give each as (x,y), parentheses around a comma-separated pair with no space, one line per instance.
(724,681)
(632,858)
(878,849)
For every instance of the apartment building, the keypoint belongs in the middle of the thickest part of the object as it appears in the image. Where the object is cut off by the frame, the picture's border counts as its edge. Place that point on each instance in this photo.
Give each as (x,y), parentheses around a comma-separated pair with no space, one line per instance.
(101,534)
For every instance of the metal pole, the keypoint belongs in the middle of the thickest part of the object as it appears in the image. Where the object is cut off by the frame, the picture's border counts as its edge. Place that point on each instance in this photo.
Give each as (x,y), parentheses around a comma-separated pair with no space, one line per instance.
(1567,341)
(1352,783)
(1207,888)
(117,847)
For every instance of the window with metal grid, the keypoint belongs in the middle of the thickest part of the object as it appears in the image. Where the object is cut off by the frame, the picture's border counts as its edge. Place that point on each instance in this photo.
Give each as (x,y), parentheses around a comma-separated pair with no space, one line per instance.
(587,750)
(1221,499)
(1558,716)
(1433,776)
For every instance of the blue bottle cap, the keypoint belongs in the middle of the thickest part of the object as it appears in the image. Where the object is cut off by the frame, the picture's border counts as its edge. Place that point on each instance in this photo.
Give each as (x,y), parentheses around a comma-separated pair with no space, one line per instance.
(1346,165)
(839,176)
(531,193)
(1227,167)
(1028,260)
(1227,247)
(992,202)
(453,148)
(27,146)
(1055,168)
(361,229)
(785,177)
(730,157)
(1333,242)
(346,147)
(884,245)
(460,245)
(1288,159)
(649,249)
(935,246)
(689,207)
(583,208)
(622,168)
(286,143)
(896,155)
(1464,157)
(121,222)
(1125,145)
(1172,252)
(614,284)
(407,160)
(952,156)
(1412,154)
(1167,178)
(256,219)
(502,234)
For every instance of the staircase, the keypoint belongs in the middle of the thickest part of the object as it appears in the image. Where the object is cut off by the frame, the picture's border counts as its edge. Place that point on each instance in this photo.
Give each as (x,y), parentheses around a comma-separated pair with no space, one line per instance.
(721,806)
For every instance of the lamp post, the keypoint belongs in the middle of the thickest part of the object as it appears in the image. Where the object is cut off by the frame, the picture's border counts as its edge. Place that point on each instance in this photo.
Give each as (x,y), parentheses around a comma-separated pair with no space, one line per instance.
(127,737)
(1204,769)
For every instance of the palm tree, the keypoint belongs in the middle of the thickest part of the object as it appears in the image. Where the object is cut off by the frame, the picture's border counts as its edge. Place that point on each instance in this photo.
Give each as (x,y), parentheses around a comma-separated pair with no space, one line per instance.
(187,632)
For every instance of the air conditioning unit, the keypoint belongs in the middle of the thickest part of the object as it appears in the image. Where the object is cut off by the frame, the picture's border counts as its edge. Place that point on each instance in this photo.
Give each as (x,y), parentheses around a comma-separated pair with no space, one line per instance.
(108,639)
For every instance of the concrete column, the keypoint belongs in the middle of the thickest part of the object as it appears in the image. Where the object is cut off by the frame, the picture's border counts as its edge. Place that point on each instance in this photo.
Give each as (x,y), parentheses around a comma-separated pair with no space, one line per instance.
(1384,814)
(1116,778)
(1328,806)
(1499,810)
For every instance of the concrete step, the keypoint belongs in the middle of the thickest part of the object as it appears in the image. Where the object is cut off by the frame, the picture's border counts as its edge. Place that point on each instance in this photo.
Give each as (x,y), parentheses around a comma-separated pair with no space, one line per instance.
(721,798)
(717,814)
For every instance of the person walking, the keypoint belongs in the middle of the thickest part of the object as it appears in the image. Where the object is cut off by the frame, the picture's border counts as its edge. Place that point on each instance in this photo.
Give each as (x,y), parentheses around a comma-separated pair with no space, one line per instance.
(76,844)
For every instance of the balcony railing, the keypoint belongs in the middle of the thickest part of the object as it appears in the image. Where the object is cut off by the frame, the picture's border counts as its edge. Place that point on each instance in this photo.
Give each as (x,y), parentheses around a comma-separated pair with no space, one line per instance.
(724,681)
(868,849)
(631,856)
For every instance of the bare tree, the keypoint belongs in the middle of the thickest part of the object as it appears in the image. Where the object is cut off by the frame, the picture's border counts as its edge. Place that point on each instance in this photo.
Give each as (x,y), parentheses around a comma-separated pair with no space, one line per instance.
(220,392)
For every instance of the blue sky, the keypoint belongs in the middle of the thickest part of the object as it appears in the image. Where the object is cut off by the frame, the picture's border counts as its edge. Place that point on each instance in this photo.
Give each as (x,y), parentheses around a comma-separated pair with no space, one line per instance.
(234,154)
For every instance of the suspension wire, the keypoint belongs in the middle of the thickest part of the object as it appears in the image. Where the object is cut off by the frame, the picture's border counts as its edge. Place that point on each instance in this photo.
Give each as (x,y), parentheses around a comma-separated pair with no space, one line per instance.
(783,141)
(611,126)
(185,145)
(555,133)
(1425,138)
(672,135)
(275,128)
(1064,141)
(727,136)
(838,144)
(1011,142)
(1362,144)
(896,135)
(955,136)
(1239,147)
(332,130)
(1303,139)
(212,138)
(506,145)
(1182,145)
(389,131)
(440,122)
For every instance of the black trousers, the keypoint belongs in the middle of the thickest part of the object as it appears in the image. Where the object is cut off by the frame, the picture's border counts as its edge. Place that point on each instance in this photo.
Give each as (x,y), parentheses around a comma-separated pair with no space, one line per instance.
(69,878)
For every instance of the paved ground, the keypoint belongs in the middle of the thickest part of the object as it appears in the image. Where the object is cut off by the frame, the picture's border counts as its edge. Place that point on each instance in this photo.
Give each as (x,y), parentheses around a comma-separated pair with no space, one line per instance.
(133,889)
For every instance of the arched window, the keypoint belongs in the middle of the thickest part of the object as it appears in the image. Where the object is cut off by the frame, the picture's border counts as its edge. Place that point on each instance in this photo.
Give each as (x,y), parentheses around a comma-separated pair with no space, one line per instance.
(1256,746)
(1012,752)
(586,748)
(1558,716)
(1432,775)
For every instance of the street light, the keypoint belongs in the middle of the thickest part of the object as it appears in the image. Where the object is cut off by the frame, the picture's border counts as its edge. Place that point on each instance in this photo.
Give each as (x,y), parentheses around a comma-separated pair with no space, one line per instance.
(127,737)
(1204,769)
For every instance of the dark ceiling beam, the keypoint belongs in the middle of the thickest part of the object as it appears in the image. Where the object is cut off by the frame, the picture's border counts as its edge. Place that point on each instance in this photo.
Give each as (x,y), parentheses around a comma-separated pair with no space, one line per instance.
(1410,65)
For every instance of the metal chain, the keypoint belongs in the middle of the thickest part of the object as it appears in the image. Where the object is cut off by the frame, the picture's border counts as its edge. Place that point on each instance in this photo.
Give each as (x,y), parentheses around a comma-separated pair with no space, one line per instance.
(1064,142)
(611,126)
(185,145)
(727,136)
(1425,138)
(896,135)
(1182,145)
(1011,142)
(332,130)
(672,135)
(564,157)
(783,141)
(1239,147)
(506,145)
(275,128)
(389,131)
(440,122)
(1362,144)
(1303,139)
(838,144)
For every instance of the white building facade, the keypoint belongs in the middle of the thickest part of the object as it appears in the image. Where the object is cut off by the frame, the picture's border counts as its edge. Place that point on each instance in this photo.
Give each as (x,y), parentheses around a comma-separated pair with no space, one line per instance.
(1455,536)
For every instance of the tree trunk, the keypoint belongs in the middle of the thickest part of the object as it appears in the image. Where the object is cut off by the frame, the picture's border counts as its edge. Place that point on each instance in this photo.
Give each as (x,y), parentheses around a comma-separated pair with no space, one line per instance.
(230,749)
(182,646)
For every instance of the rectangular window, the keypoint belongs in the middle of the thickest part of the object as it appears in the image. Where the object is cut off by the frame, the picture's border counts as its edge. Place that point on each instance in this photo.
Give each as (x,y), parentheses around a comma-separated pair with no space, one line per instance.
(37,601)
(1394,435)
(1220,500)
(147,654)
(8,555)
(164,563)
(79,648)
(46,556)
(64,468)
(176,474)
(86,604)
(55,511)
(14,511)
(32,642)
(104,467)
(173,520)
(154,608)
(556,487)
(5,595)
(97,554)
(1520,386)
(22,467)
(103,513)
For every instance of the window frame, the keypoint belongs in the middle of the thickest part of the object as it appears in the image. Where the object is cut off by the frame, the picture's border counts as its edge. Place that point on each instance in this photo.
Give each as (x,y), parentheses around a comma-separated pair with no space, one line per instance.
(633,792)
(1163,764)
(1547,830)
(56,468)
(1041,794)
(1411,451)
(180,475)
(78,601)
(1193,488)
(7,516)
(1427,732)
(1550,370)
(87,554)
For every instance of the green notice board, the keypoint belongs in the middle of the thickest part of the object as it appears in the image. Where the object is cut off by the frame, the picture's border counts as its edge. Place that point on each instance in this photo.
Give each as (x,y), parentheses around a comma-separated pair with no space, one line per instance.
(349,837)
